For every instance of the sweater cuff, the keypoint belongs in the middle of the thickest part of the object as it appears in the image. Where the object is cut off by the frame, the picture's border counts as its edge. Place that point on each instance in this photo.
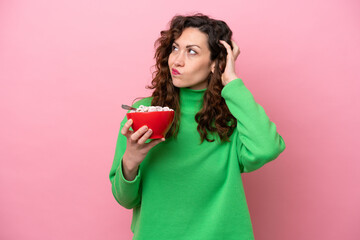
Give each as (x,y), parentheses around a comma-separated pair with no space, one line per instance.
(232,86)
(123,179)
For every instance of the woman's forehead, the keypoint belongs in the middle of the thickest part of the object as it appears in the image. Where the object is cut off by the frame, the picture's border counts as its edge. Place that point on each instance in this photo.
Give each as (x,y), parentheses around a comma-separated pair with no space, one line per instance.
(192,36)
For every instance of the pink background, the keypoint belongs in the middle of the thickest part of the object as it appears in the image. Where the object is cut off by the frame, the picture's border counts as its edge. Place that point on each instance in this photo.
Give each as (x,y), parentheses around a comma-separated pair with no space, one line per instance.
(67,66)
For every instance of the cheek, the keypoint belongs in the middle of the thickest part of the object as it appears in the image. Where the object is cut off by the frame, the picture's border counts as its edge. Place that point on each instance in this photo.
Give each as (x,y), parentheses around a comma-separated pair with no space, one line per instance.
(170,60)
(201,67)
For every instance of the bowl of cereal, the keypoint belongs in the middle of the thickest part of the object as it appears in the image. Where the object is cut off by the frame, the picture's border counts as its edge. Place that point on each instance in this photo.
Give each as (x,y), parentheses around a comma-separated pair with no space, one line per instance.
(158,119)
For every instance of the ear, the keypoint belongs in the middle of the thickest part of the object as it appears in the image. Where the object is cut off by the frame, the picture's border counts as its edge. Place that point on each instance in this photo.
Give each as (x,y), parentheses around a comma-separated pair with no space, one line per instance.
(213,67)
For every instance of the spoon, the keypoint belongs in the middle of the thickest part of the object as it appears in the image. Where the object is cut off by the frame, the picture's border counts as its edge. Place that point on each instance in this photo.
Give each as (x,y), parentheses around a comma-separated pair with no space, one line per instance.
(127,107)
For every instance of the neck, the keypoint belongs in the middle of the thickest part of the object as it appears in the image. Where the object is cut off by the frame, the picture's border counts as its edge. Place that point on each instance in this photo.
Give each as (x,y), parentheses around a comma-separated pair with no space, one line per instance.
(191,99)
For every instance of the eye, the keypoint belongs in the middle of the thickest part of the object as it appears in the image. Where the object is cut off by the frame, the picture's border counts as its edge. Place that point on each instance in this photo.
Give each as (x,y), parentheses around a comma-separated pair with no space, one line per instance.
(193,51)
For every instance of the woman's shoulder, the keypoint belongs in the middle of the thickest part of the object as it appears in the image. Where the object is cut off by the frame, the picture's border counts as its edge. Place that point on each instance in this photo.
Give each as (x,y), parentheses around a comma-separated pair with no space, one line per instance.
(146,101)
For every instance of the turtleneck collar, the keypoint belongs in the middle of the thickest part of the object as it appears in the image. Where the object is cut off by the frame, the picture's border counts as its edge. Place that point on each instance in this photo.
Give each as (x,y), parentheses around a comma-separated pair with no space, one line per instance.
(191,99)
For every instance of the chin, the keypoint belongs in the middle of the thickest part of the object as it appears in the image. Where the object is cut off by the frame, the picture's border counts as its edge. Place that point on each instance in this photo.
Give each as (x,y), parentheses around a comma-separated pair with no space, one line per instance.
(177,83)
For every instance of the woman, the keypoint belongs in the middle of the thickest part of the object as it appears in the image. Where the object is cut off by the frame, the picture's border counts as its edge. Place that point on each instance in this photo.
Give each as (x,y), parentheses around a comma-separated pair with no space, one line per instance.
(189,186)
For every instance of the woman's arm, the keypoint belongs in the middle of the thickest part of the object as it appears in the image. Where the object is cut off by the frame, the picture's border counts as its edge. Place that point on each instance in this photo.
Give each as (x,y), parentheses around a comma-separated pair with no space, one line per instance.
(129,170)
(125,179)
(258,141)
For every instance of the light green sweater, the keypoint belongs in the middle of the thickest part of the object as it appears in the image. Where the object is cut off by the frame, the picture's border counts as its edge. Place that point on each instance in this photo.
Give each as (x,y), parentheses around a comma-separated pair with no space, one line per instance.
(187,190)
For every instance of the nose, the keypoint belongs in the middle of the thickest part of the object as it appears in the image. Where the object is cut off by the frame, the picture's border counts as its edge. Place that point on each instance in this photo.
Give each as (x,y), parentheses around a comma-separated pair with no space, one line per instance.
(179,60)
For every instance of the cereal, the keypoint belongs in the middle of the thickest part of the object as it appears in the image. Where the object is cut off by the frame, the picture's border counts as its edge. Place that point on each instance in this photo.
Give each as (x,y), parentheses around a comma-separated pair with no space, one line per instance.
(143,108)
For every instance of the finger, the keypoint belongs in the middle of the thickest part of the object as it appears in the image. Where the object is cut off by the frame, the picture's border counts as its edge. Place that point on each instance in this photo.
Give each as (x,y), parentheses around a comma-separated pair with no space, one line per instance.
(236,49)
(136,135)
(125,130)
(145,137)
(228,49)
(153,143)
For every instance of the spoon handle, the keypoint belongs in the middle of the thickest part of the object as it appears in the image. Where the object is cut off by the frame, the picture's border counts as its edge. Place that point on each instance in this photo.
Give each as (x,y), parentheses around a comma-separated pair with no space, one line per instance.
(127,107)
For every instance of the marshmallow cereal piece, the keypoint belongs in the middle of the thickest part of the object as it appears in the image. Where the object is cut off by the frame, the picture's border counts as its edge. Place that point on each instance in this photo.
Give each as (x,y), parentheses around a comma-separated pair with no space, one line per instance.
(152,109)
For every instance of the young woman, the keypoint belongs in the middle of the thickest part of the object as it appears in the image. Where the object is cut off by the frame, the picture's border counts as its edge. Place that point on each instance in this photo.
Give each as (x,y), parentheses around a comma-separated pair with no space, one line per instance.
(188,185)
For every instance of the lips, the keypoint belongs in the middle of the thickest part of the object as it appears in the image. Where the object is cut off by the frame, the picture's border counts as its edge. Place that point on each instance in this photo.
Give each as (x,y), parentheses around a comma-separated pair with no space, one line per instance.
(175,72)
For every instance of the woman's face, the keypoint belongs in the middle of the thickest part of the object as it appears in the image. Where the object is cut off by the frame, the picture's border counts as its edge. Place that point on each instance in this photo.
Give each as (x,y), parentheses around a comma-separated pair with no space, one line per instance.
(190,56)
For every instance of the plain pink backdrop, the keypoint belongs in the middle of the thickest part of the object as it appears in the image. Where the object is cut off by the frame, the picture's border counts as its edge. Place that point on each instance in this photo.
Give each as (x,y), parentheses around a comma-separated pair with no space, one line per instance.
(67,66)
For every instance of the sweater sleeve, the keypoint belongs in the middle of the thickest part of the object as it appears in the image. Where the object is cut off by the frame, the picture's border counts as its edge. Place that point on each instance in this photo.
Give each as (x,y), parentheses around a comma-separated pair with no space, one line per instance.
(258,141)
(127,193)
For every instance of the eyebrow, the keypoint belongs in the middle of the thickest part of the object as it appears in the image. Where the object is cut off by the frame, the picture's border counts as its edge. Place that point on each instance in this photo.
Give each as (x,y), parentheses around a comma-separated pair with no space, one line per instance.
(193,45)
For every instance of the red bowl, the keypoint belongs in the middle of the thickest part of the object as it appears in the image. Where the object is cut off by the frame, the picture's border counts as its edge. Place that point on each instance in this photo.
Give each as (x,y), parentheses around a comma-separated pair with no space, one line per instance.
(160,122)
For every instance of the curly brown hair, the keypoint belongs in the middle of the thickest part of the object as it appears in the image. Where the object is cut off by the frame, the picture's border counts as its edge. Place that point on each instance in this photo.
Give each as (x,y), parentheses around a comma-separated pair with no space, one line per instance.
(214,116)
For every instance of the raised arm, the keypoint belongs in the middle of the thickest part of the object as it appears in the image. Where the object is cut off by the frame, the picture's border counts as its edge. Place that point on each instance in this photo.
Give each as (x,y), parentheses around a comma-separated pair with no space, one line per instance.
(258,141)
